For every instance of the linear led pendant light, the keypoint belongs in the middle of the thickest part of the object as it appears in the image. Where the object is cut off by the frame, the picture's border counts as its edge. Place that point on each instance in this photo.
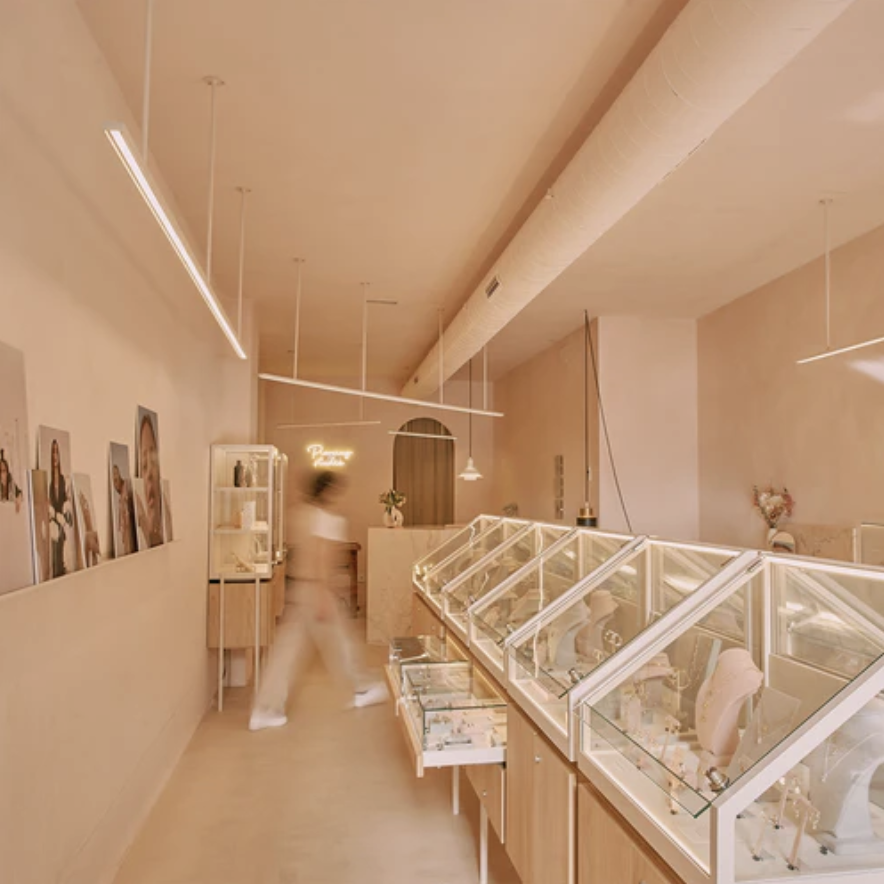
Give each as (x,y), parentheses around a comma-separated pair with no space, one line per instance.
(470,473)
(138,172)
(828,264)
(328,424)
(443,436)
(364,393)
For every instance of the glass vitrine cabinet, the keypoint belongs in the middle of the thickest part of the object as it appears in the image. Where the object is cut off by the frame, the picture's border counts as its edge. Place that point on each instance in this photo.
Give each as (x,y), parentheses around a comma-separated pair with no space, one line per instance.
(469,554)
(483,577)
(548,660)
(503,612)
(418,650)
(743,734)
(463,538)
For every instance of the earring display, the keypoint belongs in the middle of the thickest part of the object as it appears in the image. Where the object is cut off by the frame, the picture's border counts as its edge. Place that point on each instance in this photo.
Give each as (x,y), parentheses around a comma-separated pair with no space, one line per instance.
(701,743)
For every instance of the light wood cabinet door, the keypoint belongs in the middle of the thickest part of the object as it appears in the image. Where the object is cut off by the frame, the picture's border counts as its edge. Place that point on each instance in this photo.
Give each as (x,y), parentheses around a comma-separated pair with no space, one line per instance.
(553,816)
(423,621)
(607,852)
(488,782)
(519,792)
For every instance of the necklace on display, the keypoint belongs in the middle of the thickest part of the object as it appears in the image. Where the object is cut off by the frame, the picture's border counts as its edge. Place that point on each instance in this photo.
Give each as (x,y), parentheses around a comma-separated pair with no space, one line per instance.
(715,688)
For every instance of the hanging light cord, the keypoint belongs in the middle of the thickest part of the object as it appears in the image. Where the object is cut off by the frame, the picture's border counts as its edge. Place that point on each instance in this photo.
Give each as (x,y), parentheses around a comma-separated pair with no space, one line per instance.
(471,405)
(595,374)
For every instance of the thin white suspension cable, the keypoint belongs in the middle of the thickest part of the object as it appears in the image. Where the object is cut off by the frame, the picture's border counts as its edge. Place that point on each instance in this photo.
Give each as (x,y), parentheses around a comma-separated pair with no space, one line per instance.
(300,263)
(441,363)
(243,193)
(364,347)
(145,101)
(826,204)
(213,83)
(485,378)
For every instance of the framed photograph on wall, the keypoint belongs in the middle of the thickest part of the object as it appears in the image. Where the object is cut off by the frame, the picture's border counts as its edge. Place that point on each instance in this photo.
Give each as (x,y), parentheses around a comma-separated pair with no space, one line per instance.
(40,526)
(147,468)
(16,561)
(141,522)
(122,510)
(168,533)
(87,529)
(54,459)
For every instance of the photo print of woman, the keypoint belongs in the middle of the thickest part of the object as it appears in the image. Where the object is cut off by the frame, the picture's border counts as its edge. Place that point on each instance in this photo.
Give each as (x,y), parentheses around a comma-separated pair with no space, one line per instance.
(149,507)
(54,458)
(122,510)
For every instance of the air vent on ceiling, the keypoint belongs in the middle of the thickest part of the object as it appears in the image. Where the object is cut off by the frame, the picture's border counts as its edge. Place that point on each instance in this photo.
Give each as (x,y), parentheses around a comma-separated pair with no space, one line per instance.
(492,286)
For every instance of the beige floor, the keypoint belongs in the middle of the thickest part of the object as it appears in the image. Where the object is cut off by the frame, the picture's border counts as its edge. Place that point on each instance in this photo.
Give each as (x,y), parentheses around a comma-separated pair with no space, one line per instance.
(330,799)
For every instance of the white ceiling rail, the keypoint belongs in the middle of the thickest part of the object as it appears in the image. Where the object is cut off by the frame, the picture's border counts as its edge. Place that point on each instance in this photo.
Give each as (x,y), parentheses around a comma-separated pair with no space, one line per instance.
(715,57)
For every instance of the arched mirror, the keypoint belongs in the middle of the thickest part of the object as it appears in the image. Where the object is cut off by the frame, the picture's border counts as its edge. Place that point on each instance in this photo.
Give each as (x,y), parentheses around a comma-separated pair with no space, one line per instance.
(423,470)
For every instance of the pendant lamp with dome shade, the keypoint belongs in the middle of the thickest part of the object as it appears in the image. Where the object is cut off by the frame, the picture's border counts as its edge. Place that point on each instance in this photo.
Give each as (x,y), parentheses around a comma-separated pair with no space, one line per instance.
(470,473)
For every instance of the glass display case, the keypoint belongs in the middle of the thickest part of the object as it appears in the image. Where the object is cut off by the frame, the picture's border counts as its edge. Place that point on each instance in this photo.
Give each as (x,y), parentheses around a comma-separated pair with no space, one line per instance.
(463,538)
(549,658)
(469,554)
(418,650)
(246,512)
(743,737)
(453,715)
(520,598)
(488,573)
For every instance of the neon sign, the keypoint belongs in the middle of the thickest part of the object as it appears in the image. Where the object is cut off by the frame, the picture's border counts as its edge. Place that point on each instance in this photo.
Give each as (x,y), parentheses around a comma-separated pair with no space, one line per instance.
(323,458)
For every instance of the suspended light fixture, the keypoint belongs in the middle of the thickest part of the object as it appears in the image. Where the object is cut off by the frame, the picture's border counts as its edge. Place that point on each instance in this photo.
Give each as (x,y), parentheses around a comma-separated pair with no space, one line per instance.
(138,171)
(443,436)
(470,473)
(828,271)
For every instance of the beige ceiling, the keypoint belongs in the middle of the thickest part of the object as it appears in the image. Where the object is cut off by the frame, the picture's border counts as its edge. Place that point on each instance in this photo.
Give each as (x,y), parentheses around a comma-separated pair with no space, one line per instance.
(744,209)
(388,141)
(402,142)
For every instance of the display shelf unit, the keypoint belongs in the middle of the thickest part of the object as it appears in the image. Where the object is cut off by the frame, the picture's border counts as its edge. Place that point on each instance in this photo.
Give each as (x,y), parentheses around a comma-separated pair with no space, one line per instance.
(742,733)
(417,650)
(526,593)
(550,658)
(246,550)
(484,576)
(470,555)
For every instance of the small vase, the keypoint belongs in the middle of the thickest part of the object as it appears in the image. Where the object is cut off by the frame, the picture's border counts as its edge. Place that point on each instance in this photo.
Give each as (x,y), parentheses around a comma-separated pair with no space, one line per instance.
(392,517)
(771,533)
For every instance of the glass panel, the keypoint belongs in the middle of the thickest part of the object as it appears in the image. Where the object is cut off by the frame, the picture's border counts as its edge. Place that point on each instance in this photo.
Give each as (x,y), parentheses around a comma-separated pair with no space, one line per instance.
(453,707)
(826,817)
(810,630)
(468,555)
(500,566)
(542,583)
(462,538)
(679,731)
(420,650)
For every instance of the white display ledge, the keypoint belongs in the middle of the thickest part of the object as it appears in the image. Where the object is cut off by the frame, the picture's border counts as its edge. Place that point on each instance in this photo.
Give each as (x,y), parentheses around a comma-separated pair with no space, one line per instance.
(100,567)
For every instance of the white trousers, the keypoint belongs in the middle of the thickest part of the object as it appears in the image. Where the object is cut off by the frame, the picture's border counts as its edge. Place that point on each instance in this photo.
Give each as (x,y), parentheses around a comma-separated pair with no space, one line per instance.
(312,620)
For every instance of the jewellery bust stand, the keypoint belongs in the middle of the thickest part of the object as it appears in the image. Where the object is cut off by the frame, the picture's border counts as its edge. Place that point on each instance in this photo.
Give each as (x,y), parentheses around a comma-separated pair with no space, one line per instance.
(841,772)
(590,618)
(719,703)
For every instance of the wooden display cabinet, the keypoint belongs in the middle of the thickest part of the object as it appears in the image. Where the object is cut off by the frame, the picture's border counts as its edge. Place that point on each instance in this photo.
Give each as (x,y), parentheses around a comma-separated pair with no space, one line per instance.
(540,806)
(609,851)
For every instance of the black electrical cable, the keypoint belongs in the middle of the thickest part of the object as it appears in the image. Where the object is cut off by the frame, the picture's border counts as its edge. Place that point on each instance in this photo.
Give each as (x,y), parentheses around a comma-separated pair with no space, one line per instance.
(598,391)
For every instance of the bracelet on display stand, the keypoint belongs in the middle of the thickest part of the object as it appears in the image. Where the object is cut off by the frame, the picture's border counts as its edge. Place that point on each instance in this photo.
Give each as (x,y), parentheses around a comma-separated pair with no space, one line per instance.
(791,787)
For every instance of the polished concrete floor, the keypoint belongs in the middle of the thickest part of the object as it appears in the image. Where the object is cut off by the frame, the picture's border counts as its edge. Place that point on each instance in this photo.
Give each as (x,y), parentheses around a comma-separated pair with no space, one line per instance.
(331,798)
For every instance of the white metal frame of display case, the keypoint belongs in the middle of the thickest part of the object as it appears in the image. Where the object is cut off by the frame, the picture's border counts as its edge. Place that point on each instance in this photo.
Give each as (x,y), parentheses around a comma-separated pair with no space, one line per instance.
(463,632)
(435,602)
(566,741)
(471,531)
(763,775)
(498,665)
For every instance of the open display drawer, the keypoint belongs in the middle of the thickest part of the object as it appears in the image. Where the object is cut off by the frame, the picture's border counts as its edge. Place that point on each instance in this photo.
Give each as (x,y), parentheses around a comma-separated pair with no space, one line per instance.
(744,738)
(451,715)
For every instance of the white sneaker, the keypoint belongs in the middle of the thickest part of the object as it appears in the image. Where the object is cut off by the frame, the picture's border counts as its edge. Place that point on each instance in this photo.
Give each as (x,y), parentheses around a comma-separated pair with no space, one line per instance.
(376,693)
(262,718)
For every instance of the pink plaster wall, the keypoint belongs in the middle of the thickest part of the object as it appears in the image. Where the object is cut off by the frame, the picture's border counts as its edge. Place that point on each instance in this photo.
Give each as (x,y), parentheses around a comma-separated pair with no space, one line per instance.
(817,428)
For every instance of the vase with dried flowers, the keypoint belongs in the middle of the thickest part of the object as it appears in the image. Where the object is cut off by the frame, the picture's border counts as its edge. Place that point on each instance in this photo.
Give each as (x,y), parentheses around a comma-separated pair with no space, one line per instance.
(392,500)
(772,505)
